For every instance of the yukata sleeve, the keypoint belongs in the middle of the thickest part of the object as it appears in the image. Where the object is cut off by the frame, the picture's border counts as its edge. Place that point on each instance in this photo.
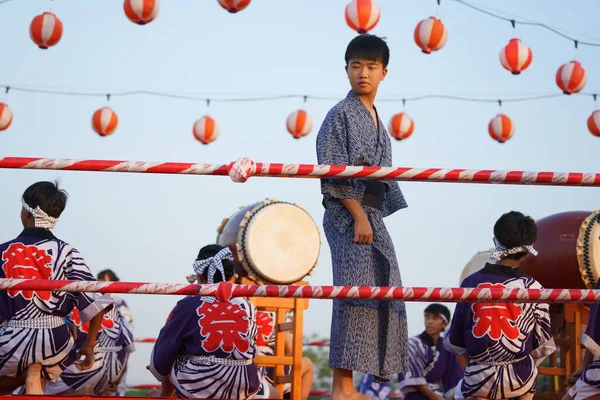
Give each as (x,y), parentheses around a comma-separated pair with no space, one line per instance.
(591,338)
(452,376)
(88,304)
(125,338)
(169,343)
(454,341)
(332,149)
(417,358)
(543,343)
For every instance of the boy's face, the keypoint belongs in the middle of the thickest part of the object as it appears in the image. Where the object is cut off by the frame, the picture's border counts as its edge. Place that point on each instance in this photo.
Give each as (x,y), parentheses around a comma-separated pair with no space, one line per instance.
(434,324)
(365,75)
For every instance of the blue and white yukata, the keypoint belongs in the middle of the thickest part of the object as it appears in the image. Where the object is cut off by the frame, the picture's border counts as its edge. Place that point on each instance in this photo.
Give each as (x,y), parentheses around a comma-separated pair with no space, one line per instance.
(128,316)
(504,341)
(33,329)
(588,384)
(430,364)
(366,335)
(207,349)
(114,343)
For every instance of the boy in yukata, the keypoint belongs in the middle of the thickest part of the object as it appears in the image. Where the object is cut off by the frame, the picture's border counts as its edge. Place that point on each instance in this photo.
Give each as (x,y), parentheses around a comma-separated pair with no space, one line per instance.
(504,342)
(367,336)
(207,347)
(586,379)
(434,371)
(34,337)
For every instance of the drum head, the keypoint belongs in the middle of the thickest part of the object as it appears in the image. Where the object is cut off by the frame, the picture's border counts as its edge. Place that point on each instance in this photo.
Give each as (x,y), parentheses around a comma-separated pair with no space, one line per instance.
(476,263)
(280,242)
(588,250)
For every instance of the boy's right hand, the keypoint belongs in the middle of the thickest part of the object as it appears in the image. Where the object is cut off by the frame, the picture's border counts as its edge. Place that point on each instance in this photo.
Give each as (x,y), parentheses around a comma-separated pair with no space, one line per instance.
(363,232)
(575,375)
(89,357)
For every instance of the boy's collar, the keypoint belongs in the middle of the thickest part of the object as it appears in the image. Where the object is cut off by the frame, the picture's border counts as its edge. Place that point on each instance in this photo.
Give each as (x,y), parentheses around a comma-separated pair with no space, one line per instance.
(38,233)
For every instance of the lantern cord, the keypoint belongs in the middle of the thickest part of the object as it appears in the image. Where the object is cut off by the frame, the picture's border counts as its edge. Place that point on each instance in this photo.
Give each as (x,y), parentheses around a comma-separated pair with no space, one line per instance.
(4,1)
(264,98)
(513,21)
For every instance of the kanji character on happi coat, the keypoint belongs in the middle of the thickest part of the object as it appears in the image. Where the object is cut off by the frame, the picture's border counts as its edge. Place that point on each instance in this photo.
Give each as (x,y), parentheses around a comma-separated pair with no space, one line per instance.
(434,371)
(504,342)
(266,347)
(35,341)
(113,347)
(207,347)
(586,379)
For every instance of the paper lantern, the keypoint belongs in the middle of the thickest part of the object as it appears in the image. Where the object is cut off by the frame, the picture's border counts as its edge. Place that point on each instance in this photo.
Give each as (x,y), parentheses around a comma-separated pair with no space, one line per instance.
(299,124)
(515,56)
(141,11)
(5,117)
(430,35)
(234,6)
(501,128)
(593,123)
(105,121)
(45,30)
(206,130)
(362,15)
(401,126)
(571,77)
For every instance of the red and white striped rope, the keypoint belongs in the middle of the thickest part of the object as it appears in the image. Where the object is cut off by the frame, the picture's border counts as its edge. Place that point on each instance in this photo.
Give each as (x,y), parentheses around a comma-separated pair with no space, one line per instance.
(226,290)
(313,171)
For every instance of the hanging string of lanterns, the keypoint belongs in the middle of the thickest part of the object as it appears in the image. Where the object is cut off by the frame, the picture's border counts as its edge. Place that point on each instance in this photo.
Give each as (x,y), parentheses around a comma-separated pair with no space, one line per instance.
(430,35)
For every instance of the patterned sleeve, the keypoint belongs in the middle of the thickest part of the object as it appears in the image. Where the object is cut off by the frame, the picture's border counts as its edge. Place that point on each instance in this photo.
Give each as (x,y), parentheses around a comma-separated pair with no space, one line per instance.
(452,376)
(125,338)
(591,337)
(543,342)
(454,341)
(332,149)
(169,343)
(417,358)
(89,304)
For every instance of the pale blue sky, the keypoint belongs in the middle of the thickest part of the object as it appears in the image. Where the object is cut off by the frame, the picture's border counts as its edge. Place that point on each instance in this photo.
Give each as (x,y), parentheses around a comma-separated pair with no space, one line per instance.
(150,227)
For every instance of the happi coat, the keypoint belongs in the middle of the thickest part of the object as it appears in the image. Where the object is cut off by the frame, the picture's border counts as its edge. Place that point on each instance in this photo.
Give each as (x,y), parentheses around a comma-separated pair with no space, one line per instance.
(114,343)
(207,349)
(33,329)
(366,336)
(504,341)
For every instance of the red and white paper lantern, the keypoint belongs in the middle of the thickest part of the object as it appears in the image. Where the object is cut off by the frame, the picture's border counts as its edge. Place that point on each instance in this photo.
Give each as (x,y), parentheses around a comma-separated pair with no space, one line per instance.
(6,116)
(45,30)
(299,124)
(516,56)
(501,128)
(593,123)
(430,35)
(362,15)
(571,77)
(105,121)
(401,126)
(141,12)
(206,130)
(234,6)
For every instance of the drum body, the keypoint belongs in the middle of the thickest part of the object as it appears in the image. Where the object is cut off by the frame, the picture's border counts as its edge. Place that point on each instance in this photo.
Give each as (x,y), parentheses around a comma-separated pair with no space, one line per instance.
(569,251)
(476,263)
(274,242)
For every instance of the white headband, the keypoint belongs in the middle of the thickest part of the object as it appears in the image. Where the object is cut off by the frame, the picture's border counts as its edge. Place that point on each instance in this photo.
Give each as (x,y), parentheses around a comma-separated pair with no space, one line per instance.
(40,218)
(501,251)
(214,264)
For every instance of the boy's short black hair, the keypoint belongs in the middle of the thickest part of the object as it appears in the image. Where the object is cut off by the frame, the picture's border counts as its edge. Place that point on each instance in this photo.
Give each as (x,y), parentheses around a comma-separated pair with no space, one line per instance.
(209,251)
(368,47)
(110,273)
(514,229)
(437,309)
(51,199)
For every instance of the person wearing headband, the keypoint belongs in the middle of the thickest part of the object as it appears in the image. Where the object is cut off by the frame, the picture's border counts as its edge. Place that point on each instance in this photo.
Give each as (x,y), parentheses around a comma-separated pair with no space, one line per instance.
(503,342)
(207,347)
(434,372)
(33,335)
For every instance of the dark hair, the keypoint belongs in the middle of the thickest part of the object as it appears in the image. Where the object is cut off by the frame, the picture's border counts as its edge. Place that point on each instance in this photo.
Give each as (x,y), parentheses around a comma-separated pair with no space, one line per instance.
(514,229)
(110,273)
(210,251)
(368,47)
(51,199)
(437,309)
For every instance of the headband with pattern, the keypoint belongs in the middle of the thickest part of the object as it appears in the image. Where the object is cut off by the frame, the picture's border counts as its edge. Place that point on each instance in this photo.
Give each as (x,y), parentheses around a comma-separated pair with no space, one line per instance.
(40,218)
(214,264)
(501,251)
